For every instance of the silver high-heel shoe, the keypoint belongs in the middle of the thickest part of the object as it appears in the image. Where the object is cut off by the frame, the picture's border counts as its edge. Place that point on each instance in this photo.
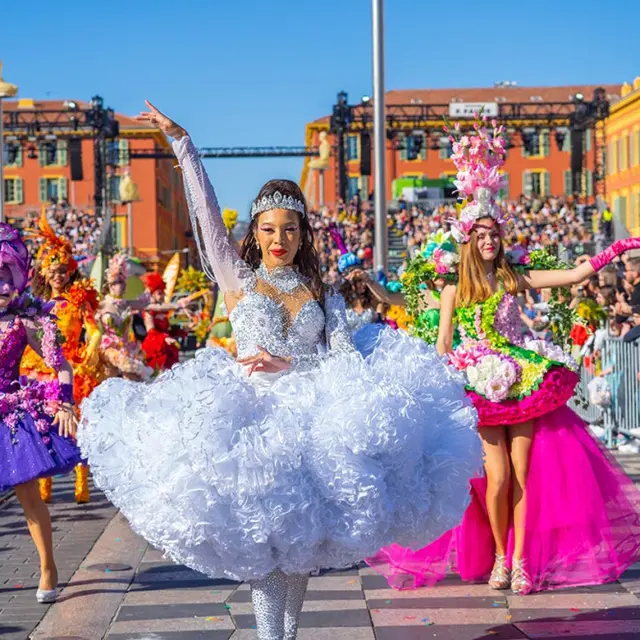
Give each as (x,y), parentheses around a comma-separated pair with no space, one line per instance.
(47,596)
(500,575)
(521,583)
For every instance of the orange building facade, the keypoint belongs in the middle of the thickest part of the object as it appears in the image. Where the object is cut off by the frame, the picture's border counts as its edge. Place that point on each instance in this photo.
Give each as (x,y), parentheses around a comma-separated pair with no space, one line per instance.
(160,216)
(623,166)
(543,170)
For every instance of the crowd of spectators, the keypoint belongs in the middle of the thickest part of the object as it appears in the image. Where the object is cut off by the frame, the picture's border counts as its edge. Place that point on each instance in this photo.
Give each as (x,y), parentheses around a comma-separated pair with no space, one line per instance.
(569,230)
(82,228)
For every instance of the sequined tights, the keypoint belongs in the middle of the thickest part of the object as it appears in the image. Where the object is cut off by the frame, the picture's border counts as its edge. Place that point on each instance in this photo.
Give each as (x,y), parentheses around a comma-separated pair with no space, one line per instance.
(277,602)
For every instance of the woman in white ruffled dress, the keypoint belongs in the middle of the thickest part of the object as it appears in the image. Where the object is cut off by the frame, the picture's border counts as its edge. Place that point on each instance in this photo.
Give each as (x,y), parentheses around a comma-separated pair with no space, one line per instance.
(300,455)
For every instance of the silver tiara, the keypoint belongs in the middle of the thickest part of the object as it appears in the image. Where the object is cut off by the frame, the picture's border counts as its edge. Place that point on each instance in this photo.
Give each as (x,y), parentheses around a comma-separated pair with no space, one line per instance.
(277,201)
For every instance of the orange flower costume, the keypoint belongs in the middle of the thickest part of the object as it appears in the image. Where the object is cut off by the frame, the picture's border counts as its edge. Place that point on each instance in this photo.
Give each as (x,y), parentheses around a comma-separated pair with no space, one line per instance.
(74,309)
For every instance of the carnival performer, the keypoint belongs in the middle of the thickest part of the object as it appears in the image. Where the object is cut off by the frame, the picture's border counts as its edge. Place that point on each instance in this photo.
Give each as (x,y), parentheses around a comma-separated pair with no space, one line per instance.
(553,505)
(57,279)
(120,352)
(365,299)
(38,420)
(246,469)
(160,347)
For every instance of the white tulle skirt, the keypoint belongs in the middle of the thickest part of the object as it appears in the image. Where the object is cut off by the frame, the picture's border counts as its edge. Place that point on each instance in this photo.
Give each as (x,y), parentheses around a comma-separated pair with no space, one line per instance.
(235,476)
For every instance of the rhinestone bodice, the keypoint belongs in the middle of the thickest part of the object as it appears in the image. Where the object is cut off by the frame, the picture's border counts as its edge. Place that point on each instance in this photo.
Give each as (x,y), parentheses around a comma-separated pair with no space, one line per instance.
(279,313)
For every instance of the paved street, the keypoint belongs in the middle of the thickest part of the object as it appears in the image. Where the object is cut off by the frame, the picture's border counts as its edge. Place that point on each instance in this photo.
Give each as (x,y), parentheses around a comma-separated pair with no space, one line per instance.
(119,588)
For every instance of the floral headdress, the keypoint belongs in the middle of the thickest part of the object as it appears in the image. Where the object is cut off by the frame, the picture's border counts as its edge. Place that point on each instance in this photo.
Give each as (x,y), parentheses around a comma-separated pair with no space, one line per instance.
(154,282)
(14,255)
(118,269)
(441,250)
(478,157)
(54,250)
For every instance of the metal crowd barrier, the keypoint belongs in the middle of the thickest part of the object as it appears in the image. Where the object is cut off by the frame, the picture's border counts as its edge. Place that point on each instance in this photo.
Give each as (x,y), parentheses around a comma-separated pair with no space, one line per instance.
(621,413)
(623,358)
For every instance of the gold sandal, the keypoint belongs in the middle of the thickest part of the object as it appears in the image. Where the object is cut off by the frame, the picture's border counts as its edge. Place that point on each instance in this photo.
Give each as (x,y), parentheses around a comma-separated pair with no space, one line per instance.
(521,583)
(500,575)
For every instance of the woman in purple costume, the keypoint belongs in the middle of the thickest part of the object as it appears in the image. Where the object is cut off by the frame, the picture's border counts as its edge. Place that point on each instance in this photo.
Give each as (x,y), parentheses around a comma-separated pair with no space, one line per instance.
(37,420)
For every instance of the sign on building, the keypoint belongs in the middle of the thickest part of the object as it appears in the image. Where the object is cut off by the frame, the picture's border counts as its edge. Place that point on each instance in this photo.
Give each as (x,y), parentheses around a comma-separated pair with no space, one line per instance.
(467,109)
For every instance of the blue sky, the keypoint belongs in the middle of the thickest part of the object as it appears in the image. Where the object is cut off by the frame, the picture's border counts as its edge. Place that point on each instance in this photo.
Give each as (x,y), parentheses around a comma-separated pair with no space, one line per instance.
(253,72)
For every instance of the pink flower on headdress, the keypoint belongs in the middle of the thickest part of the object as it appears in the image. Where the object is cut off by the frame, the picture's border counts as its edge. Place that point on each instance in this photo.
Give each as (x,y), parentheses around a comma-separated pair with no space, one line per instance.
(461,229)
(444,260)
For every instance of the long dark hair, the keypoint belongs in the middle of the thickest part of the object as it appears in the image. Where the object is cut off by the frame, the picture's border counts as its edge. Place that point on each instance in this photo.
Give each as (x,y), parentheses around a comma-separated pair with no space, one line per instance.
(351,296)
(306,259)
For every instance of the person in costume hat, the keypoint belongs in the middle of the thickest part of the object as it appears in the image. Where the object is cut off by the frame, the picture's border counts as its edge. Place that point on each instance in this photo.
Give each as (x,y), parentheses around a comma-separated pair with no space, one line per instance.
(160,346)
(37,417)
(300,454)
(120,351)
(553,508)
(56,278)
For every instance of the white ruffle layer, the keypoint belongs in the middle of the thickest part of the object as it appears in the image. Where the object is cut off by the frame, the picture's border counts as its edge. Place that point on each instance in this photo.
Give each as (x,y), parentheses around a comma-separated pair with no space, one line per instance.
(234,476)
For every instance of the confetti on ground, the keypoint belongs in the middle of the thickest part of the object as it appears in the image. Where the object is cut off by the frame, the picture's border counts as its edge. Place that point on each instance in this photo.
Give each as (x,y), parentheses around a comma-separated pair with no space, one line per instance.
(216,592)
(410,617)
(353,581)
(376,611)
(107,570)
(491,632)
(227,606)
(574,609)
(387,601)
(509,617)
(18,586)
(117,539)
(213,619)
(497,604)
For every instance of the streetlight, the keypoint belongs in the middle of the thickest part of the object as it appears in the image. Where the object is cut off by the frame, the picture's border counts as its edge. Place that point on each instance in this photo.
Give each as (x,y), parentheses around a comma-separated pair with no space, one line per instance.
(7,90)
(379,137)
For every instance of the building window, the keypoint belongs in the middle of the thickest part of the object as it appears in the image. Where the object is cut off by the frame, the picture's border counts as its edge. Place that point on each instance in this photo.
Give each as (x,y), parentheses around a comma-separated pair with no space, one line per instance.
(637,135)
(353,147)
(113,188)
(503,194)
(566,143)
(13,155)
(587,140)
(53,153)
(540,145)
(611,158)
(632,153)
(568,183)
(537,182)
(13,191)
(118,153)
(623,145)
(364,188)
(354,186)
(622,210)
(587,182)
(446,150)
(53,189)
(545,142)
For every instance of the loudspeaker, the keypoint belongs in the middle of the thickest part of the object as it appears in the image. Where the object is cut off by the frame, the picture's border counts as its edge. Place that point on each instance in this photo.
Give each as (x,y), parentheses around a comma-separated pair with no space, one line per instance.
(75,158)
(365,154)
